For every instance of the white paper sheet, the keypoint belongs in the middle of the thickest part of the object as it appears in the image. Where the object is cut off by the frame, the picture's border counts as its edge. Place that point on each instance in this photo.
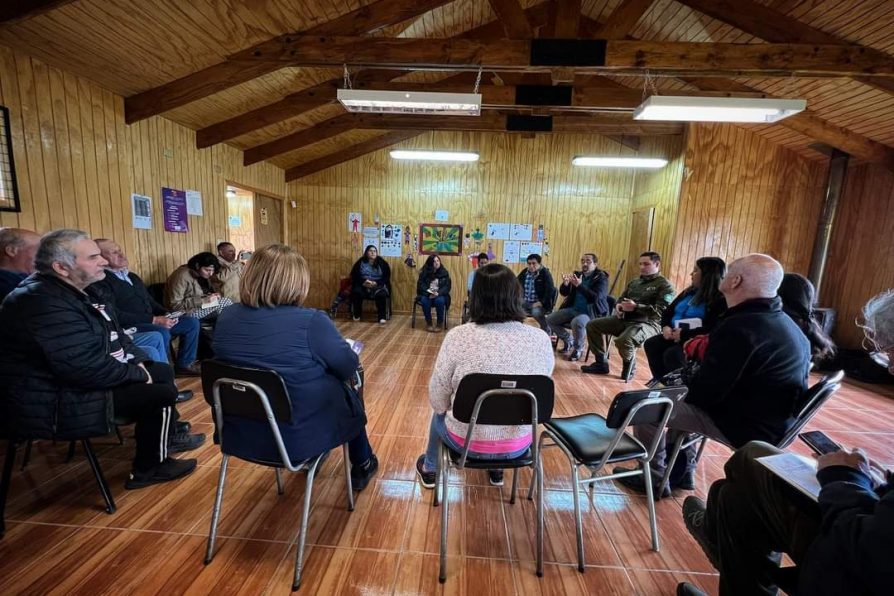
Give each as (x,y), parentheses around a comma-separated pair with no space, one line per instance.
(523,232)
(510,251)
(142,211)
(498,231)
(194,202)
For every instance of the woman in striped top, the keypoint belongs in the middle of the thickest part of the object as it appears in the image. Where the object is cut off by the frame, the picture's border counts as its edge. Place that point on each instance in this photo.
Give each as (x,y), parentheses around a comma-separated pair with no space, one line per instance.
(495,342)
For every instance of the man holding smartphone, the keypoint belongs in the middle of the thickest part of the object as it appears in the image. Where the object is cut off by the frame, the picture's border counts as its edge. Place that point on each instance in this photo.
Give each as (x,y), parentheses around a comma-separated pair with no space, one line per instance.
(842,544)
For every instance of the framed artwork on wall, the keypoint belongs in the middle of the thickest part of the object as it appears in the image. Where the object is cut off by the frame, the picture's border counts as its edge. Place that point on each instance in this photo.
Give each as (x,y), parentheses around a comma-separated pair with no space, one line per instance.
(9,191)
(440,239)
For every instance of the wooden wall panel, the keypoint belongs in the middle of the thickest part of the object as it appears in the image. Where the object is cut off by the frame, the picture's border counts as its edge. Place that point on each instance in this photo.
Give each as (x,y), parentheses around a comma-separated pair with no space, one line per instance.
(859,264)
(77,164)
(516,180)
(743,194)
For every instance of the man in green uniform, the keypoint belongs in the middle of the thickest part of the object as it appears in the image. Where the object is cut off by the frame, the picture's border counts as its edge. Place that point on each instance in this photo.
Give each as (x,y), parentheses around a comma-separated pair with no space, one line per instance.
(636,318)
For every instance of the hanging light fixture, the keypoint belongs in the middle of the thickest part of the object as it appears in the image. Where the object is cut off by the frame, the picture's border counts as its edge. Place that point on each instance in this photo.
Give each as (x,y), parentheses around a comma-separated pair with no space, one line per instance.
(718,109)
(434,155)
(619,162)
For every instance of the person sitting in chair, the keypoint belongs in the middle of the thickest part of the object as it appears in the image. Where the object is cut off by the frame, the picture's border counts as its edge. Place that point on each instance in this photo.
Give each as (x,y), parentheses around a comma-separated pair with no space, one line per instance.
(433,289)
(271,329)
(586,297)
(798,300)
(194,289)
(370,280)
(482,260)
(496,320)
(538,290)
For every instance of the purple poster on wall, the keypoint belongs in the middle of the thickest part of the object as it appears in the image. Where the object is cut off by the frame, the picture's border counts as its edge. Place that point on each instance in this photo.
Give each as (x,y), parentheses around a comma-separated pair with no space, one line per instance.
(173,204)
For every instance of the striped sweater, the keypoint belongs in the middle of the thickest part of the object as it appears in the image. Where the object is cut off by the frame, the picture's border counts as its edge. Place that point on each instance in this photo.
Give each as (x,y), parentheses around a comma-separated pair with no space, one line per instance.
(496,348)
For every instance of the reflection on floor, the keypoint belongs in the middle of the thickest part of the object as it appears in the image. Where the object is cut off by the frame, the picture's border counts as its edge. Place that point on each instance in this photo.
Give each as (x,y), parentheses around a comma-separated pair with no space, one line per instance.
(59,540)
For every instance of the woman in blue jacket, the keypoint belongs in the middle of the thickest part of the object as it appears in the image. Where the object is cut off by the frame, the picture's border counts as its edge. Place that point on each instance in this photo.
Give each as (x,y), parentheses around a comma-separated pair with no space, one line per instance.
(271,329)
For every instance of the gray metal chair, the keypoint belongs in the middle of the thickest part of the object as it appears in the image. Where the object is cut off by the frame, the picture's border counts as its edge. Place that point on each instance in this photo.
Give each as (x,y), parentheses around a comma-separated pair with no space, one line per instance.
(592,441)
(815,397)
(494,399)
(239,392)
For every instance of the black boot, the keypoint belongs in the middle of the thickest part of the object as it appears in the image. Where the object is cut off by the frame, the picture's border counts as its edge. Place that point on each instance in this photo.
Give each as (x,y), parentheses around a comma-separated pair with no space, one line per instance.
(628,369)
(599,366)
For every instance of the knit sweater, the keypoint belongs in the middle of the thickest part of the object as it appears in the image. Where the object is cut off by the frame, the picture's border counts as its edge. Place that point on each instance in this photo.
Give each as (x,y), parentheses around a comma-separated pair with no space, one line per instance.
(495,348)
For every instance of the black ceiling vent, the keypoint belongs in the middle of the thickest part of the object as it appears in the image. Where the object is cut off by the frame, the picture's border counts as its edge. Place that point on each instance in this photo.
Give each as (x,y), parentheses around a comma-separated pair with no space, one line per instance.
(567,52)
(522,123)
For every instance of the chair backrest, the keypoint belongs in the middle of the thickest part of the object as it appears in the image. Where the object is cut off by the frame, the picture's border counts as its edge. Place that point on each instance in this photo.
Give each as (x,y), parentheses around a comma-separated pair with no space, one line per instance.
(157,291)
(636,408)
(811,402)
(238,388)
(611,301)
(503,407)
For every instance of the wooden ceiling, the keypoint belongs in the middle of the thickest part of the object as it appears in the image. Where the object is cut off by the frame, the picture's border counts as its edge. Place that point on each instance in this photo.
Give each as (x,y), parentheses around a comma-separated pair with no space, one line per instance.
(204,64)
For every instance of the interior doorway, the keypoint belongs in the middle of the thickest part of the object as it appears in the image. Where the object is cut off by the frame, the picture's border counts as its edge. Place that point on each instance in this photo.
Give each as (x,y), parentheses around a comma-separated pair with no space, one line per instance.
(254,219)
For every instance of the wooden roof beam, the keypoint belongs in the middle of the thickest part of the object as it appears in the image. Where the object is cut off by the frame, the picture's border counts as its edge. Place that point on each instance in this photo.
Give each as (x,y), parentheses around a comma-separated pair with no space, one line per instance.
(512,17)
(621,56)
(567,19)
(14,12)
(623,20)
(775,27)
(235,70)
(349,153)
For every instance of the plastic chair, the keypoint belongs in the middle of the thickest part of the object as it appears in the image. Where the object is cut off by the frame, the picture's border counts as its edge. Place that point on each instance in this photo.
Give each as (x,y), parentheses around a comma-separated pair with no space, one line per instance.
(811,402)
(491,399)
(258,394)
(592,441)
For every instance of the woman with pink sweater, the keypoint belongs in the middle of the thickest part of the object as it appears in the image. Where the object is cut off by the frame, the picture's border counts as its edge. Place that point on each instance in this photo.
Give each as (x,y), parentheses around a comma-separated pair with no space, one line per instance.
(495,341)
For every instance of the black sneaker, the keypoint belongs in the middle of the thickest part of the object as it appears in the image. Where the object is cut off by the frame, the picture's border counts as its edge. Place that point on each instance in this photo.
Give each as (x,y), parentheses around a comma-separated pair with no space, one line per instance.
(576,355)
(495,477)
(694,518)
(183,395)
(597,368)
(687,589)
(362,474)
(627,370)
(637,484)
(427,479)
(180,442)
(170,469)
(181,427)
(567,348)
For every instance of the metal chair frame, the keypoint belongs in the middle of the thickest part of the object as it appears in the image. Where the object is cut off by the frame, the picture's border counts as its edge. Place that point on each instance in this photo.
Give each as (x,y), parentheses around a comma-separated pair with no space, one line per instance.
(658,401)
(309,465)
(823,389)
(445,462)
(418,303)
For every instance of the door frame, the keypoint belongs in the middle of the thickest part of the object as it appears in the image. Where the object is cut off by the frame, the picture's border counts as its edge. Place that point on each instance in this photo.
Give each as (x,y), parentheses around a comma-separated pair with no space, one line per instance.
(256,191)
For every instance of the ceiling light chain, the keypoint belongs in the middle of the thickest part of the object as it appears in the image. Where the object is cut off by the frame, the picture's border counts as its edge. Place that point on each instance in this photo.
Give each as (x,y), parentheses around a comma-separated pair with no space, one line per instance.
(649,87)
(478,80)
(346,78)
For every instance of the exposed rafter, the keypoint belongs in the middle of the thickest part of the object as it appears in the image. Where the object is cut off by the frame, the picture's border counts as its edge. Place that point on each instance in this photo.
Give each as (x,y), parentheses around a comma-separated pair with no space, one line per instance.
(512,17)
(236,69)
(352,152)
(622,21)
(620,56)
(567,18)
(20,10)
(775,27)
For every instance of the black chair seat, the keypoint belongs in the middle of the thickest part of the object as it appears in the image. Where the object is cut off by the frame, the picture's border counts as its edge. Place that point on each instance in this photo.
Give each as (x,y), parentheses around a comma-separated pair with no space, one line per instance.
(524,460)
(588,437)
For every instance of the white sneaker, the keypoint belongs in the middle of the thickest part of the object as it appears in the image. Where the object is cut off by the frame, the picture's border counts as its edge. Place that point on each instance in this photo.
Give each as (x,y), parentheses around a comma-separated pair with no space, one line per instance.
(381,321)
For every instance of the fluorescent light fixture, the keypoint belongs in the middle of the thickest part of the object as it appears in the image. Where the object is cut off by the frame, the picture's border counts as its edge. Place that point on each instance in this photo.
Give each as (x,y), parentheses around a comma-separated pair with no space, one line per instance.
(434,155)
(620,162)
(410,102)
(718,109)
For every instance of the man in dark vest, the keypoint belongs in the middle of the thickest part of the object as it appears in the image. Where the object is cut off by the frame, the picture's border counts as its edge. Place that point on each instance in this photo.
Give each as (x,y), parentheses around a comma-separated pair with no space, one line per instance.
(17,249)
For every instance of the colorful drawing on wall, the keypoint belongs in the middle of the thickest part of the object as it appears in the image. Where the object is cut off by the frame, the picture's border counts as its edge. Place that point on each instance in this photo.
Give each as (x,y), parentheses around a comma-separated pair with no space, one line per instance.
(441,239)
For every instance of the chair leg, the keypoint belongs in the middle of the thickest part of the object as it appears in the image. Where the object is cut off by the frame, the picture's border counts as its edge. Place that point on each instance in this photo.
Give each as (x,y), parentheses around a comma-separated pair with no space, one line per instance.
(578,521)
(538,466)
(348,485)
(72,445)
(650,501)
(215,513)
(514,486)
(413,317)
(280,489)
(305,514)
(671,460)
(11,448)
(442,573)
(537,469)
(27,456)
(100,479)
(435,493)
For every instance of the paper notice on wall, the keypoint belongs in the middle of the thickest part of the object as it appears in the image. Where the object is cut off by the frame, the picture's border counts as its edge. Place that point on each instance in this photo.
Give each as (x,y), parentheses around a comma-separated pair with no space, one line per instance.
(441,215)
(194,202)
(498,231)
(389,242)
(527,248)
(142,212)
(173,208)
(522,232)
(355,221)
(371,236)
(510,251)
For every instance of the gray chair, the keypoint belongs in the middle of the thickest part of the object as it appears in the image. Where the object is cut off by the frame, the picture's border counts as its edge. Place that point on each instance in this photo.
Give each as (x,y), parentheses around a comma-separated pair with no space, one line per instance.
(811,402)
(592,441)
(244,393)
(493,399)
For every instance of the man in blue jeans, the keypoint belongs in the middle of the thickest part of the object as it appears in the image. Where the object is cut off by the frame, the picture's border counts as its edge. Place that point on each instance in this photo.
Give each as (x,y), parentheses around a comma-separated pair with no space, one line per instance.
(136,308)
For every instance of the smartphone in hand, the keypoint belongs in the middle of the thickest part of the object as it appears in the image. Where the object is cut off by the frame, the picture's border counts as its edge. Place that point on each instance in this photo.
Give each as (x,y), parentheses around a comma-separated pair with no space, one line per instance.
(819,442)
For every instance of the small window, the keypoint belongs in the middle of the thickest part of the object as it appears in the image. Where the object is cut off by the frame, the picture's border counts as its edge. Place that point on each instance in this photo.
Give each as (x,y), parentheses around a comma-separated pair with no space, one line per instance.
(9,192)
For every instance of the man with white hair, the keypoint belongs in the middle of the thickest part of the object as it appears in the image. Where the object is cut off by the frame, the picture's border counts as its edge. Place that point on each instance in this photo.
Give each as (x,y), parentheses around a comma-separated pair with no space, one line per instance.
(842,544)
(753,372)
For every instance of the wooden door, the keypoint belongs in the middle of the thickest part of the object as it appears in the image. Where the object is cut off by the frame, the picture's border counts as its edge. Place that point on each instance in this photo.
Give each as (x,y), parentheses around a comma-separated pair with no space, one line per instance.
(268,221)
(641,223)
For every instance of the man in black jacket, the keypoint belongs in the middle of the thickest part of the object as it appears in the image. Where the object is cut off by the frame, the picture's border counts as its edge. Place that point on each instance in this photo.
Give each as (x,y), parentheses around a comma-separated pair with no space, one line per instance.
(844,544)
(586,297)
(65,363)
(538,290)
(136,308)
(753,373)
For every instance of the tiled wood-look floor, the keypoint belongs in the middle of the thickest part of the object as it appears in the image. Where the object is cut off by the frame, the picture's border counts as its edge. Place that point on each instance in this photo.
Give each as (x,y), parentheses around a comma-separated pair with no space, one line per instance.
(59,540)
